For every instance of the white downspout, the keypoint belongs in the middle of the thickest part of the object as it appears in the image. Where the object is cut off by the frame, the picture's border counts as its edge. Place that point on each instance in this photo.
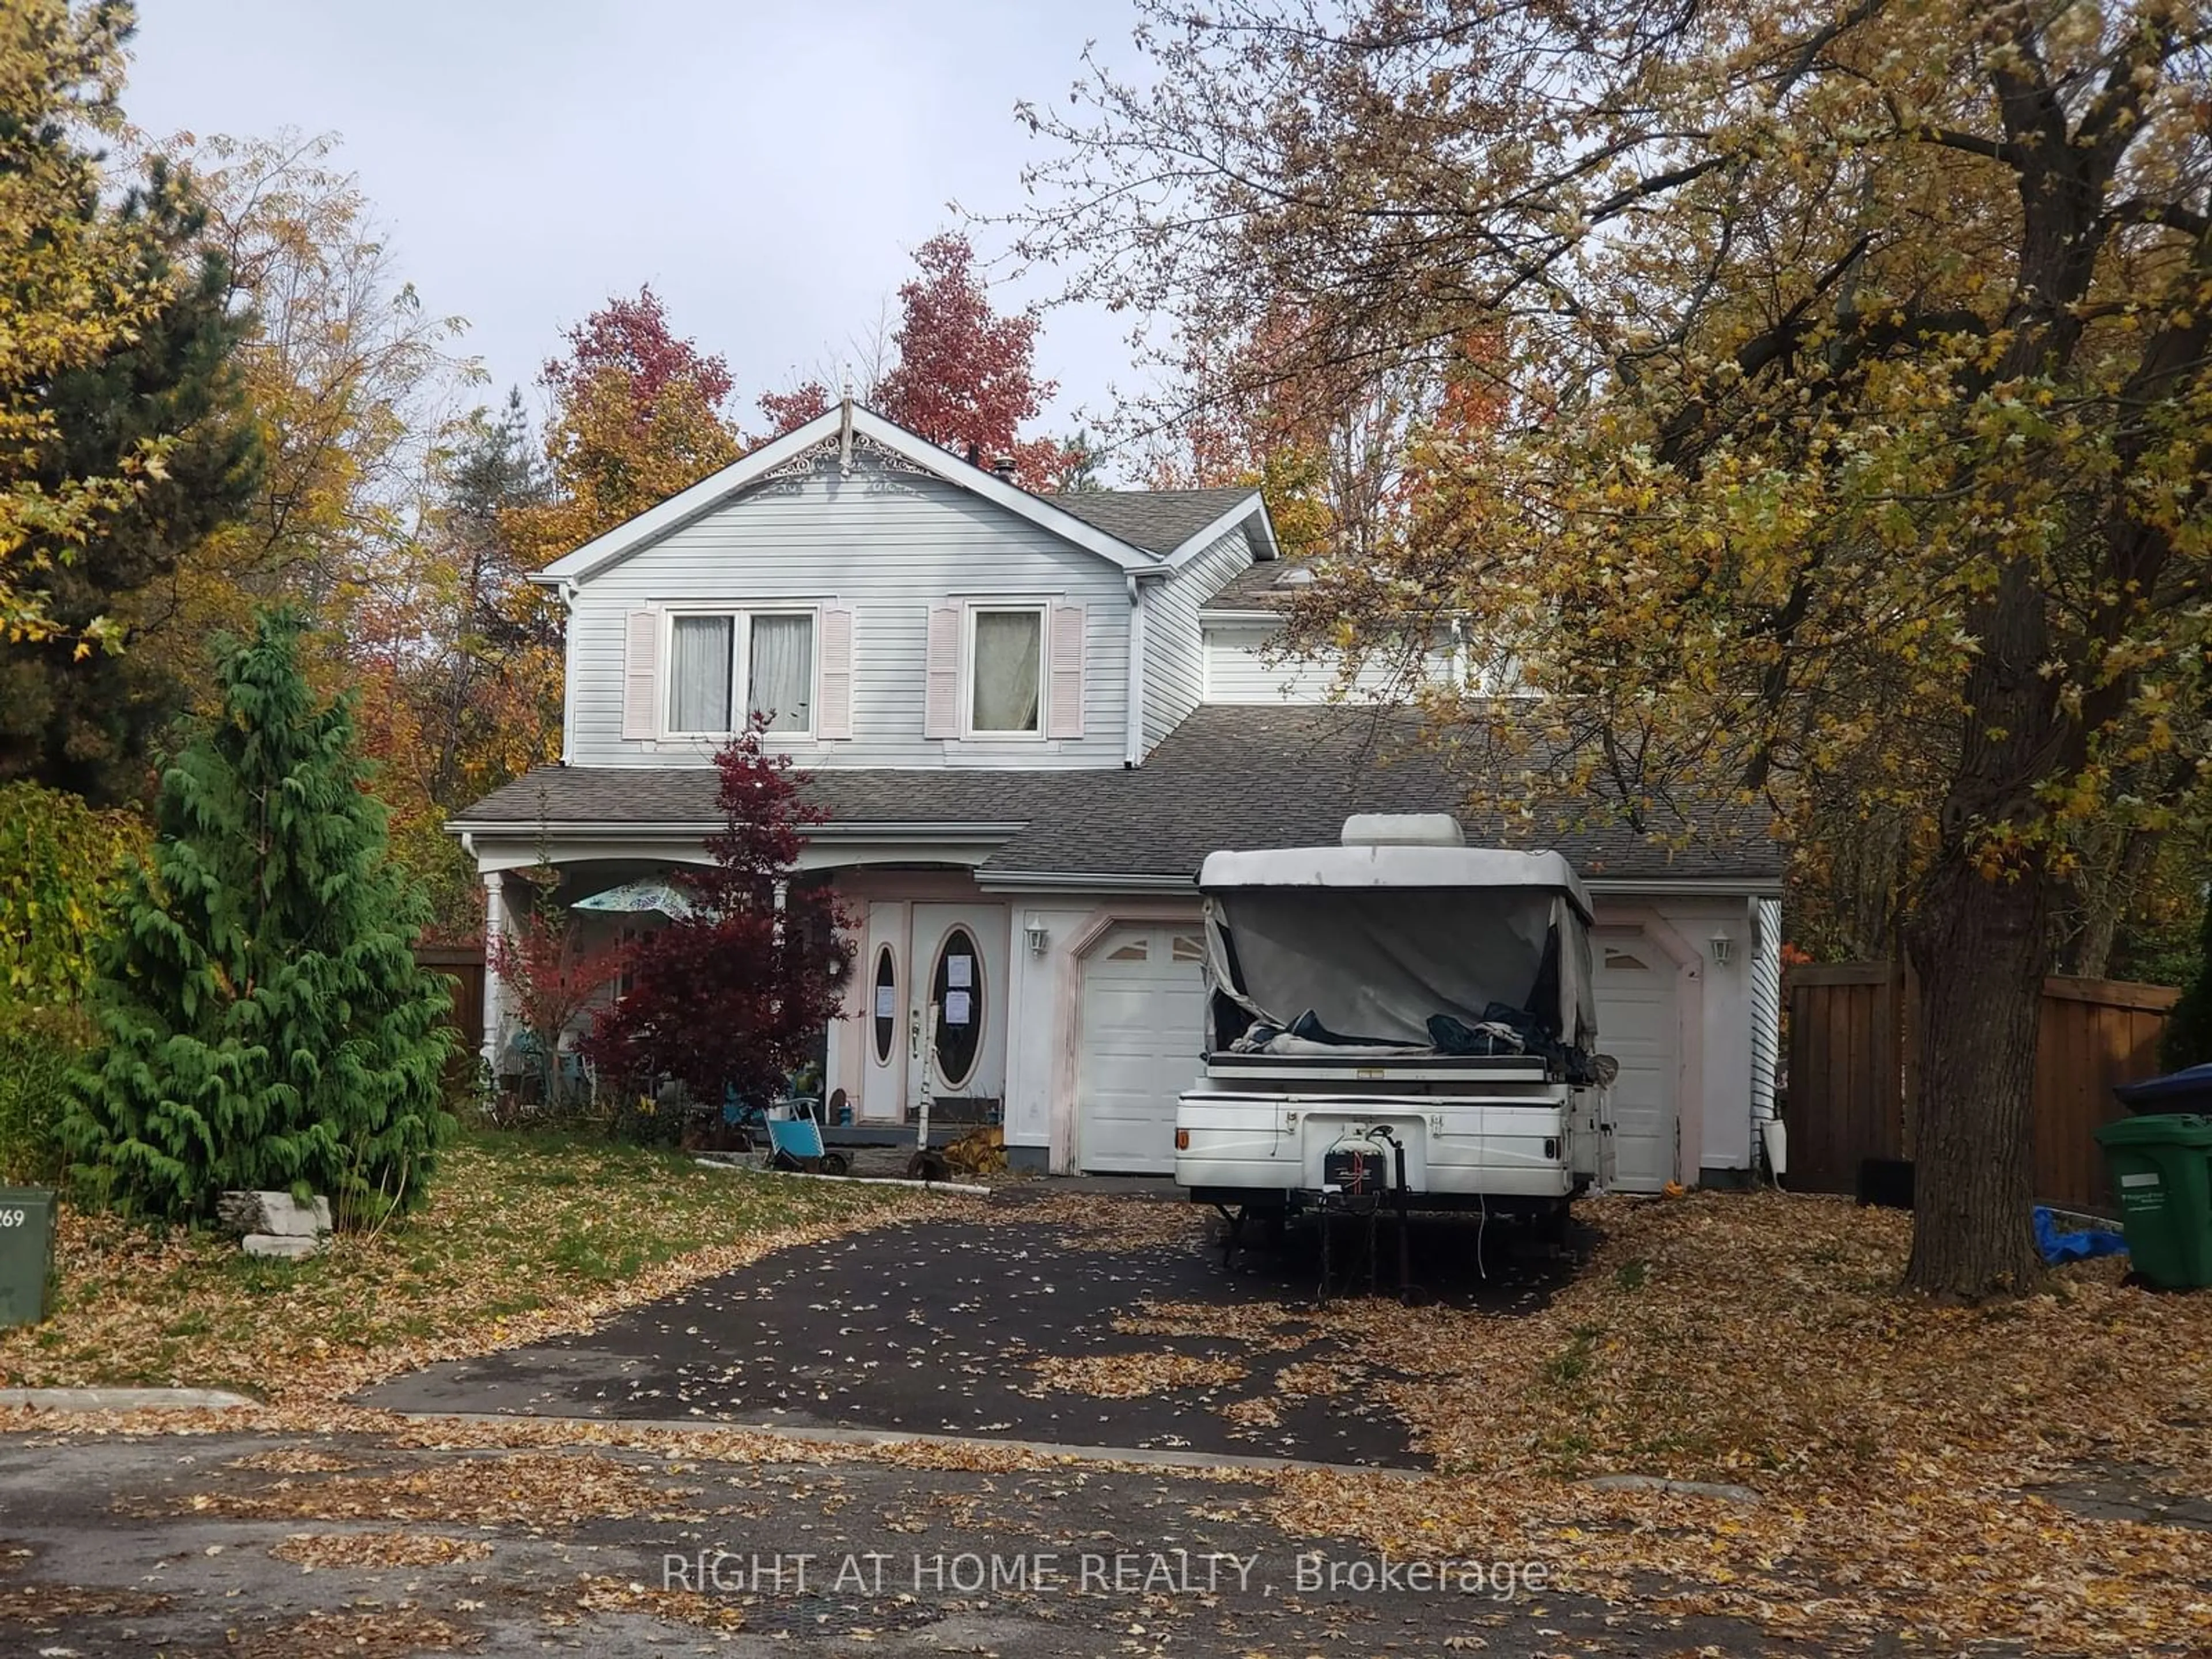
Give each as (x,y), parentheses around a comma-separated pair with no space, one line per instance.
(1133,747)
(567,592)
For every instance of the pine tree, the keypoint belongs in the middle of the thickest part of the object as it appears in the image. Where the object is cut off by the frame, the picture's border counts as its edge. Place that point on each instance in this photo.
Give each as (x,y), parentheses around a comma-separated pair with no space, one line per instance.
(263,1021)
(87,721)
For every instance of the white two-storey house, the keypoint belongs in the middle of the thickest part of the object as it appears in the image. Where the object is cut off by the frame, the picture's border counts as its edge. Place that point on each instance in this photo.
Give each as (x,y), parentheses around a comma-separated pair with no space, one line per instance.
(1028,719)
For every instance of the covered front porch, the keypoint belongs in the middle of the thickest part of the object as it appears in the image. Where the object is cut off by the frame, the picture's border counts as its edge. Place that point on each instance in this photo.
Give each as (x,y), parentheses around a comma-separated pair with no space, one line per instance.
(926,1007)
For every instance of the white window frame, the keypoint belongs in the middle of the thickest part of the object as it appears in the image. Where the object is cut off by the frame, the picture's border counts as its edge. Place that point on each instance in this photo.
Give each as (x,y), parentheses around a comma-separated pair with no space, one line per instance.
(1042,609)
(741,649)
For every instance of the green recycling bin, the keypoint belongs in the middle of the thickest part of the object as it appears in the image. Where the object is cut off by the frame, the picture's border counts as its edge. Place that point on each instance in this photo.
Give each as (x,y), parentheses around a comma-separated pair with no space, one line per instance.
(27,1254)
(2161,1167)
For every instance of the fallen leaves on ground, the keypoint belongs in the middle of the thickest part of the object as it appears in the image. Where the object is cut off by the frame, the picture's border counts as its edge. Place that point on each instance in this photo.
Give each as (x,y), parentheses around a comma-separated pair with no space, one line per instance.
(1261,1327)
(375,1633)
(292,1459)
(1131,1376)
(1903,1455)
(600,1593)
(1252,1414)
(1895,1445)
(317,1551)
(533,1489)
(1320,1377)
(42,1604)
(525,1236)
(1086,1222)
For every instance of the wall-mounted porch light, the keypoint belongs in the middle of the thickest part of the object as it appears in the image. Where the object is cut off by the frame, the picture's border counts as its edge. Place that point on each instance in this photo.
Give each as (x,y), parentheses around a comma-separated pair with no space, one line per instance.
(1723,947)
(1033,931)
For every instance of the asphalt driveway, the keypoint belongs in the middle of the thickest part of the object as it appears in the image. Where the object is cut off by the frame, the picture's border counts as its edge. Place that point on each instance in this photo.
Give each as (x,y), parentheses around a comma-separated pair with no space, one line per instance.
(1096,1323)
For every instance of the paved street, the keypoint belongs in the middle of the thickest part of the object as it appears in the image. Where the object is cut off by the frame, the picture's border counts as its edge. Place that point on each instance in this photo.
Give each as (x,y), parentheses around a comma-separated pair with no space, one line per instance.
(263,1546)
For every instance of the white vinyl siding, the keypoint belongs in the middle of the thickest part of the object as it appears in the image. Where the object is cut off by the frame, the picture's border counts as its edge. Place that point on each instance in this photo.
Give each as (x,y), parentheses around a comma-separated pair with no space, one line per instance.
(1241,666)
(889,548)
(1174,669)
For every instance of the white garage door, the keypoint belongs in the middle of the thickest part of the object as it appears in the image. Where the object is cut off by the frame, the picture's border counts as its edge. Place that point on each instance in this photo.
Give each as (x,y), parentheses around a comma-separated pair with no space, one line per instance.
(1142,1014)
(1636,1025)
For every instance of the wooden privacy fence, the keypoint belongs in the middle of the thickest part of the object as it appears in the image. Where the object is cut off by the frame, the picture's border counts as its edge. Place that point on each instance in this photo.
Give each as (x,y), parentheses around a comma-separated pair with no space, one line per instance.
(1853,1061)
(463,964)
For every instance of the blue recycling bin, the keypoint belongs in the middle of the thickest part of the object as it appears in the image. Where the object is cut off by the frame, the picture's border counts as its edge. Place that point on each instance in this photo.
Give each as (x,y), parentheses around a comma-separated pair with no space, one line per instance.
(2186,1090)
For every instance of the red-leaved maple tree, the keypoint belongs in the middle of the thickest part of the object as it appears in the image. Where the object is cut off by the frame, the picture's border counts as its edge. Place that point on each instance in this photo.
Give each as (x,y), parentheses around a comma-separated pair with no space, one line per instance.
(548,975)
(733,996)
(788,411)
(633,336)
(965,376)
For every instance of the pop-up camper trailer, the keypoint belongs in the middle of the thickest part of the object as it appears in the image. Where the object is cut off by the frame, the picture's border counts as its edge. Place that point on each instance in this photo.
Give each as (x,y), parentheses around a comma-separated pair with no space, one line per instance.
(1402,1016)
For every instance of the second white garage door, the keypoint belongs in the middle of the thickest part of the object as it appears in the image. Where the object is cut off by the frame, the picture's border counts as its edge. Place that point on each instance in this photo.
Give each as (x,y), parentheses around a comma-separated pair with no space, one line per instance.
(1142,1014)
(1636,1025)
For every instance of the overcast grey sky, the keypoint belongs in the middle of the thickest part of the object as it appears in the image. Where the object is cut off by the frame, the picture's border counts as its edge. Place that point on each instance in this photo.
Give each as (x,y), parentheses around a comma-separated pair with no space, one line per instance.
(767,166)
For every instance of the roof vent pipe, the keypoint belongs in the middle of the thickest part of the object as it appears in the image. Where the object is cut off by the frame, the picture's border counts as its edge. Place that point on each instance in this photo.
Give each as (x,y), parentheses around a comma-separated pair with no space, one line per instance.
(1004,466)
(1403,829)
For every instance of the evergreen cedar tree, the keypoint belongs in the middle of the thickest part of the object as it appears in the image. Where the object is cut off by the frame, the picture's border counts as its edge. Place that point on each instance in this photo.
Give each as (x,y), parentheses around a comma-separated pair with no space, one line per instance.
(732,998)
(1856,457)
(262,1021)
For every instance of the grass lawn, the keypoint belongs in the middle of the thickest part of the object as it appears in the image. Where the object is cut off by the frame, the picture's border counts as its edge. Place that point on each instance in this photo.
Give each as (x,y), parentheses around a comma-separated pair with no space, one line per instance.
(525,1235)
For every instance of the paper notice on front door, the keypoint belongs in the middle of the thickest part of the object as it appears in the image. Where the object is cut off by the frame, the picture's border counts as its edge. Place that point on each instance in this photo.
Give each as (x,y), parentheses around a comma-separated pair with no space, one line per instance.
(956,1007)
(959,971)
(886,1002)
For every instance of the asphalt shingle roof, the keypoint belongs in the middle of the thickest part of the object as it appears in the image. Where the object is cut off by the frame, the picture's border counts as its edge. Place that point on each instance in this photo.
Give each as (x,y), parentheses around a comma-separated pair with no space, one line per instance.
(1257,587)
(1156,521)
(1231,776)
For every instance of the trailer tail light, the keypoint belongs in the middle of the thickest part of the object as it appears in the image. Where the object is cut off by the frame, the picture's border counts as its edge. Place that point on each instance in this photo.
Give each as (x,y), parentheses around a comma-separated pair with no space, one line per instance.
(1551,1147)
(1182,1140)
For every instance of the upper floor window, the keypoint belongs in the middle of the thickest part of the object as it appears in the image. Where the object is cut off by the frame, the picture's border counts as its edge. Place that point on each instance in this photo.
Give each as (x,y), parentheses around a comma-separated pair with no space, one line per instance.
(713,655)
(1006,669)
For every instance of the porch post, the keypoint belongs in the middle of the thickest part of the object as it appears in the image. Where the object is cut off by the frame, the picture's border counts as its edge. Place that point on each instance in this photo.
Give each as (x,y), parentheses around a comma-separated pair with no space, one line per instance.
(495,995)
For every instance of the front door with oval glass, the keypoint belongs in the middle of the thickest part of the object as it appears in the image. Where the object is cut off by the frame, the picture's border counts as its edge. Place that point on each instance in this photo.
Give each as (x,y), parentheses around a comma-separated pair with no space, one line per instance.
(956,1021)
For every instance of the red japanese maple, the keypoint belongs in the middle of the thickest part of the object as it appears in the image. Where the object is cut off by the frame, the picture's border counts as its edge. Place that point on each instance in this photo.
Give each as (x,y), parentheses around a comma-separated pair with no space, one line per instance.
(733,996)
(549,977)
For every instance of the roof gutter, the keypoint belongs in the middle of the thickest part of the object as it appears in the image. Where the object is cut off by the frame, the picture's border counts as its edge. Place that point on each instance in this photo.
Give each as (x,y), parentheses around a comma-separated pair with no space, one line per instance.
(1192,546)
(992,880)
(1687,886)
(614,829)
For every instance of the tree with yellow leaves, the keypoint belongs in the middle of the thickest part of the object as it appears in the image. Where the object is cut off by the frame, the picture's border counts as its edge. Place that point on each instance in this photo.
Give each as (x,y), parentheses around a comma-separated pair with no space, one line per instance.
(1857,370)
(636,418)
(79,279)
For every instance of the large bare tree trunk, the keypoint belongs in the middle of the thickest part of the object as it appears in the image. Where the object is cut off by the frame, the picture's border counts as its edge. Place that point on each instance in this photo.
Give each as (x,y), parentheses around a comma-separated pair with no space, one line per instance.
(1980,948)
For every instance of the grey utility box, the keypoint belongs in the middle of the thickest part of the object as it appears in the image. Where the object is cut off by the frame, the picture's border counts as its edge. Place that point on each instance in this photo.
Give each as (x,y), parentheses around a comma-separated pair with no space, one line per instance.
(27,1254)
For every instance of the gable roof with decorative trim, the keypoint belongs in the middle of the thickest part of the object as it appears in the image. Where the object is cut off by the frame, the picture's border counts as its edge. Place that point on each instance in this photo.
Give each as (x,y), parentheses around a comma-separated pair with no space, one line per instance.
(849,428)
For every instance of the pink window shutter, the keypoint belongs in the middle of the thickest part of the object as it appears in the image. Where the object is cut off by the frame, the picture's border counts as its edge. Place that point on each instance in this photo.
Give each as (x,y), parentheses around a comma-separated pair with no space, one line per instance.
(1064,711)
(940,713)
(641,675)
(833,718)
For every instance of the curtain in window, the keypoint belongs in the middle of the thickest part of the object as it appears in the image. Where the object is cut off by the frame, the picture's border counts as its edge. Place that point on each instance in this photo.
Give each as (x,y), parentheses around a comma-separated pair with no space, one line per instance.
(699,674)
(1009,649)
(780,681)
